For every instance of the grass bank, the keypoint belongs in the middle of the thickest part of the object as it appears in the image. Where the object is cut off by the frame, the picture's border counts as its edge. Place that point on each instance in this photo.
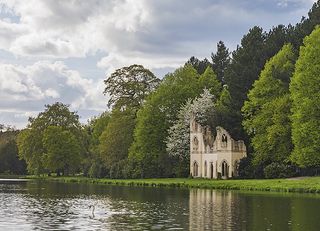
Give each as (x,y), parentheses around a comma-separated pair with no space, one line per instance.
(8,176)
(301,185)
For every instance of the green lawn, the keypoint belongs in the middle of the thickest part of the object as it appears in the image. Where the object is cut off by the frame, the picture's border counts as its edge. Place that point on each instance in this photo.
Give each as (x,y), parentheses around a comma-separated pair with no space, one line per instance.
(302,185)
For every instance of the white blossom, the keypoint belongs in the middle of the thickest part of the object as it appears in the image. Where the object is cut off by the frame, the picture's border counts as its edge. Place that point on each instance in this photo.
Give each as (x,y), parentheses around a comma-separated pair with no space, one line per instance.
(179,133)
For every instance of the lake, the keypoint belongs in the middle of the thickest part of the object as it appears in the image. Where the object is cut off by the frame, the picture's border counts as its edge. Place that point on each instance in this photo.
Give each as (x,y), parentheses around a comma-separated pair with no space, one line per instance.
(35,205)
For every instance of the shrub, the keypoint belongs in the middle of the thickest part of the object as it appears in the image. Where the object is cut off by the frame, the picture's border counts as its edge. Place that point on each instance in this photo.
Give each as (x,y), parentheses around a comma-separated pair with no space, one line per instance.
(245,168)
(277,170)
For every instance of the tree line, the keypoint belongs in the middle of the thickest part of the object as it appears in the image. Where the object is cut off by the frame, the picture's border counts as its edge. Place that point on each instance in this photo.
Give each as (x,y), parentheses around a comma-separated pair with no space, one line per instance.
(266,92)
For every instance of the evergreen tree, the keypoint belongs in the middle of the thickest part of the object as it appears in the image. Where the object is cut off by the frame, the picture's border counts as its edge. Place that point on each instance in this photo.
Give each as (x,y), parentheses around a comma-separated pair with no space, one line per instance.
(220,60)
(305,94)
(225,115)
(276,38)
(247,62)
(306,26)
(199,65)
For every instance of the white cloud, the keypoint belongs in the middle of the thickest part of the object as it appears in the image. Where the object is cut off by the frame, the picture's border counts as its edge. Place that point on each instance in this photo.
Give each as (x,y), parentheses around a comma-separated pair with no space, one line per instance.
(55,28)
(138,30)
(24,90)
(161,35)
(114,61)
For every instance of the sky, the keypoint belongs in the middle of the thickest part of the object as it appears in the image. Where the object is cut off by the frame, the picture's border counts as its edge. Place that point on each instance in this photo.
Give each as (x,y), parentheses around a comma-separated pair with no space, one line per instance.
(61,51)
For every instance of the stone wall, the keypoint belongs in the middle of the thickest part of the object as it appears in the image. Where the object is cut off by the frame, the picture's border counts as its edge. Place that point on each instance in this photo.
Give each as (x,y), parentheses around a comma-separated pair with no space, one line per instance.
(213,157)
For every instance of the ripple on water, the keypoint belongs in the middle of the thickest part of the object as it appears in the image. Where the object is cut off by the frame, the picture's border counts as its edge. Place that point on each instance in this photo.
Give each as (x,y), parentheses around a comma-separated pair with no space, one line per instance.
(33,206)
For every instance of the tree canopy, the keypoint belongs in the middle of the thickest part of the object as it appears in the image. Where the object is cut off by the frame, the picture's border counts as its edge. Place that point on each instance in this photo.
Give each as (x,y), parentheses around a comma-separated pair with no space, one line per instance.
(305,95)
(9,160)
(35,149)
(128,86)
(148,150)
(267,110)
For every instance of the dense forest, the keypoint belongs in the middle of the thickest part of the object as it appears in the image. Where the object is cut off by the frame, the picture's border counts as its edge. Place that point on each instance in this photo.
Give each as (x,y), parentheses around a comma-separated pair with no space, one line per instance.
(266,92)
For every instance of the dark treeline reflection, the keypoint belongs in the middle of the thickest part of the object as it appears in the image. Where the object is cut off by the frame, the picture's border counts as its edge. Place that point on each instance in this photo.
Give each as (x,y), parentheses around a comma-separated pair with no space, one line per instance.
(42,205)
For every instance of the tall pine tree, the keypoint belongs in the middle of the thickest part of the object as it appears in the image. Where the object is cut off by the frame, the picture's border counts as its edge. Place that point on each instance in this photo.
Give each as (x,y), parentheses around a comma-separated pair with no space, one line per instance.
(220,60)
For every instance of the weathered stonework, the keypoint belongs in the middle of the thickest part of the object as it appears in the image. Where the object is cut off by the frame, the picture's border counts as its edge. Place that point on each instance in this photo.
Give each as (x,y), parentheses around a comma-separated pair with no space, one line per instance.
(214,158)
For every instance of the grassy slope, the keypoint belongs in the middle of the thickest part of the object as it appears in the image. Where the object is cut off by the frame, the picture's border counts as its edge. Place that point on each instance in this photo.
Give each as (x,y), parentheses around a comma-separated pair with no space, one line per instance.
(306,185)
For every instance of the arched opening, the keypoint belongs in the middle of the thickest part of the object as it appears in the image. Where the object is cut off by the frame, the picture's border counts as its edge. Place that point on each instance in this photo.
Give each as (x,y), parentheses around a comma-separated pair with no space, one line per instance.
(205,168)
(195,169)
(224,169)
(224,140)
(195,143)
(211,170)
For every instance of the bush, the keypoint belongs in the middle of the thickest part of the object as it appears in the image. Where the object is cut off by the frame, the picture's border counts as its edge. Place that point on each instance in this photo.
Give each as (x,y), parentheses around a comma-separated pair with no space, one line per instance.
(246,170)
(276,170)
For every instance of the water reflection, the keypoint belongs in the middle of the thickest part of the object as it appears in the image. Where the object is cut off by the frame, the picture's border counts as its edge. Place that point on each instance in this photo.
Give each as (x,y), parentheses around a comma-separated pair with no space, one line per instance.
(234,210)
(56,206)
(213,210)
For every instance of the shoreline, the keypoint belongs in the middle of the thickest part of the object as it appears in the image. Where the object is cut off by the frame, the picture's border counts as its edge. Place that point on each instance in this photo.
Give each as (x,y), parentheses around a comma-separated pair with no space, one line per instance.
(297,185)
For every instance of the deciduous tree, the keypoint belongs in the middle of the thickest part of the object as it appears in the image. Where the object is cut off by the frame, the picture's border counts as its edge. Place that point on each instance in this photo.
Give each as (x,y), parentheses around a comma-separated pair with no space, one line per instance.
(128,86)
(305,95)
(148,151)
(30,141)
(267,110)
(178,140)
(62,150)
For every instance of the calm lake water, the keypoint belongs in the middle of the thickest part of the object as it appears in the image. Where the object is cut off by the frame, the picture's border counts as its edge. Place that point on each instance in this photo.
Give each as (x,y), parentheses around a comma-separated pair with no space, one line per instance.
(32,205)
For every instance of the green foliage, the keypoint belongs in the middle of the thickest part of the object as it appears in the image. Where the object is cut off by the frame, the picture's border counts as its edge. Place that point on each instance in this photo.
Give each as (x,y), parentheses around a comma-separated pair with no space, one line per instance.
(262,94)
(148,152)
(93,164)
(225,115)
(278,170)
(247,62)
(97,126)
(199,65)
(30,149)
(57,114)
(276,38)
(31,140)
(306,26)
(62,150)
(116,139)
(220,60)
(209,80)
(9,161)
(267,110)
(305,94)
(128,86)
(246,169)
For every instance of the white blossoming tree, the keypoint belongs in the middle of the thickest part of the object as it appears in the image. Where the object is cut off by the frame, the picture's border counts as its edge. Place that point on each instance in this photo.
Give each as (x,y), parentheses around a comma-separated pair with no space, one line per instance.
(179,133)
